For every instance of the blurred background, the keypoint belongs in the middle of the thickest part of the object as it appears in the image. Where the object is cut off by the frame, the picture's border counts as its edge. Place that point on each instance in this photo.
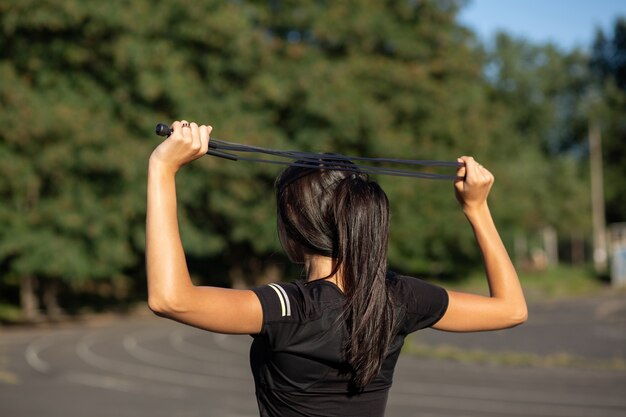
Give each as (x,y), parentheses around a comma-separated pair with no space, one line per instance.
(535,90)
(82,85)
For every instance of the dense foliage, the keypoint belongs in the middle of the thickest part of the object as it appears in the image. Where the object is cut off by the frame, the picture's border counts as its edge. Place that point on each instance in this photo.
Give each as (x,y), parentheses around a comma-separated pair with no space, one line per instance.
(82,84)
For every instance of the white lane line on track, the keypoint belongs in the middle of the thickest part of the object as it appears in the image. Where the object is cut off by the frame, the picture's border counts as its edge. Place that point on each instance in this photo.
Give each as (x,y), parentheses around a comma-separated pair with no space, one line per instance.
(84,352)
(32,352)
(179,343)
(114,383)
(499,408)
(216,367)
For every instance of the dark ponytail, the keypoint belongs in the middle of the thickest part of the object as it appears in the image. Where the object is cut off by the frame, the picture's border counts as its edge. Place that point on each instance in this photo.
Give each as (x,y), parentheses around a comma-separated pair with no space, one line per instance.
(344,215)
(362,215)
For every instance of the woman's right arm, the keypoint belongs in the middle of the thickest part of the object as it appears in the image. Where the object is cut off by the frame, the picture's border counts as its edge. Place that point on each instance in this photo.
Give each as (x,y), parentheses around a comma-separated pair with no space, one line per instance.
(171,293)
(506,305)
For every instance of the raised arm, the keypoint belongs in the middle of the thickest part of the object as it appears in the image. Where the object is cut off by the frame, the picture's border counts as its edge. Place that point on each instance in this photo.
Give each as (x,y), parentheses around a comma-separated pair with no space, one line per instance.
(506,306)
(170,290)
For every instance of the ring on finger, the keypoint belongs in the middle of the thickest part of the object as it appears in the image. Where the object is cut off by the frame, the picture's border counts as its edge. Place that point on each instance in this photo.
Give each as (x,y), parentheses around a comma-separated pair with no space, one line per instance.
(186,124)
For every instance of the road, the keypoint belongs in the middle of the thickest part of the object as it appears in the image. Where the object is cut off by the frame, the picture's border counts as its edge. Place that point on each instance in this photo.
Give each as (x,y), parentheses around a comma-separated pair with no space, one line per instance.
(146,366)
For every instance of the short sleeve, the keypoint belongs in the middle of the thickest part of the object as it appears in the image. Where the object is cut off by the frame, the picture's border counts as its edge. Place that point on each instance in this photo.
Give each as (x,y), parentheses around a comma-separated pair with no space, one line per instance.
(278,302)
(424,303)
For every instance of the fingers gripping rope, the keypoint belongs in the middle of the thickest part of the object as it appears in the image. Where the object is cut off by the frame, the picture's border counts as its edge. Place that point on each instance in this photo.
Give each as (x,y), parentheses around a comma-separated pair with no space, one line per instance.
(312,160)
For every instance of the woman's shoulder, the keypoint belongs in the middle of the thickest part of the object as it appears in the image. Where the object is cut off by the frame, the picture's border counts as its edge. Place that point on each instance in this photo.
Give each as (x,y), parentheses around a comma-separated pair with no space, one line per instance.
(423,303)
(301,290)
(396,281)
(405,287)
(395,278)
(297,300)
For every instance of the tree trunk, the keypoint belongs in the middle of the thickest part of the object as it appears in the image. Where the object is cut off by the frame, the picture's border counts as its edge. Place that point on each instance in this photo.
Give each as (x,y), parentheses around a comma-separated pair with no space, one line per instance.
(551,245)
(28,298)
(51,300)
(600,251)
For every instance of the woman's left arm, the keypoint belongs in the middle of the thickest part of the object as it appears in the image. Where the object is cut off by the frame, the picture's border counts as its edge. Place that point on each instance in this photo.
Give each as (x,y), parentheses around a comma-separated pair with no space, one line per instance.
(506,305)
(170,290)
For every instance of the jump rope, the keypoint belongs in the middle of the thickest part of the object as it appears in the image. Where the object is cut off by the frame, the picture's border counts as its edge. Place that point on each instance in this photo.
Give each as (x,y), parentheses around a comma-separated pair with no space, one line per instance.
(315,160)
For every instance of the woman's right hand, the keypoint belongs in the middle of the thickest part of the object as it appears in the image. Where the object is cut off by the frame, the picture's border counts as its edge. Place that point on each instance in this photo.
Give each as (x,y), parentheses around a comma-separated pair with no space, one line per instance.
(473,184)
(187,143)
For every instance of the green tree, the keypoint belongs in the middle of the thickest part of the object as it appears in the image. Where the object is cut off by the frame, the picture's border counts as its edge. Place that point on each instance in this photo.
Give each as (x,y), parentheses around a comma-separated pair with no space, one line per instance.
(66,202)
(538,94)
(608,64)
(83,83)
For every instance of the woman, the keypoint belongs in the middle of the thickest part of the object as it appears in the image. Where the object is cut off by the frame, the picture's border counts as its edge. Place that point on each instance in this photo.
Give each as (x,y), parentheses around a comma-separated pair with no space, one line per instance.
(327,346)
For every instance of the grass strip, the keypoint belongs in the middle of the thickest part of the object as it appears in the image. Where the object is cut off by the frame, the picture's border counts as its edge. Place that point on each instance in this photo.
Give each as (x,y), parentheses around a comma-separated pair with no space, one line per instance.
(511,358)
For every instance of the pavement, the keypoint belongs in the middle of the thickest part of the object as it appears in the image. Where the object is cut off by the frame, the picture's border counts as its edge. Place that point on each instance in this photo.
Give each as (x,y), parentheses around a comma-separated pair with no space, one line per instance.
(146,366)
(590,328)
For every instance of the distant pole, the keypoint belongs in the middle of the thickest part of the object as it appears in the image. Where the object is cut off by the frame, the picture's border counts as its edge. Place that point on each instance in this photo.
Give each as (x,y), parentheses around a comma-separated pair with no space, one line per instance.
(600,258)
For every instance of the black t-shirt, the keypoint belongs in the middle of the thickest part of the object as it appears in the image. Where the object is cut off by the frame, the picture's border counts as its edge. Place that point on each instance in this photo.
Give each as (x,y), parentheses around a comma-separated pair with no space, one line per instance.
(298,358)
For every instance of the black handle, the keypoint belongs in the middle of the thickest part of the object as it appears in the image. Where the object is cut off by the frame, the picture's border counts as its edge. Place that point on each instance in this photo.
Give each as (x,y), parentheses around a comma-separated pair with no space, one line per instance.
(164,130)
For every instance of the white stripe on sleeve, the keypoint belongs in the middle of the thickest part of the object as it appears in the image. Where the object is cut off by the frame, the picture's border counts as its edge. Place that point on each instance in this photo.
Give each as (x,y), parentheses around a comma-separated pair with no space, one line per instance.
(287,302)
(280,297)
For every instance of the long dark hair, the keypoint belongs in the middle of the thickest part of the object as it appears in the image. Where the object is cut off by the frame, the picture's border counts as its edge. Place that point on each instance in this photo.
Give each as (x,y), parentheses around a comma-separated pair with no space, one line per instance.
(342,214)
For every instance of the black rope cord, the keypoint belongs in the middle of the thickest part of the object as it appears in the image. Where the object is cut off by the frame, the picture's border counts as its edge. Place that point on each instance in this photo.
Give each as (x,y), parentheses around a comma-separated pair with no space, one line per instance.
(312,160)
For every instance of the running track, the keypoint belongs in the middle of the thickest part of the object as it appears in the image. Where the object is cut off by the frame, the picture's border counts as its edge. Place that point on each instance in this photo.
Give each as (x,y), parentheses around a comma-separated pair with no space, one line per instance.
(155,368)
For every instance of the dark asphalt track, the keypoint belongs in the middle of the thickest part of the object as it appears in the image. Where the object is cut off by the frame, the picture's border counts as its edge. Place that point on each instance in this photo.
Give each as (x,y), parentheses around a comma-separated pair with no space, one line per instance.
(592,327)
(155,368)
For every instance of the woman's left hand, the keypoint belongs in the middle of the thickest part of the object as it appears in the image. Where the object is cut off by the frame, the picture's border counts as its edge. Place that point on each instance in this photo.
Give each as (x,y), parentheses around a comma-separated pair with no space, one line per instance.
(187,143)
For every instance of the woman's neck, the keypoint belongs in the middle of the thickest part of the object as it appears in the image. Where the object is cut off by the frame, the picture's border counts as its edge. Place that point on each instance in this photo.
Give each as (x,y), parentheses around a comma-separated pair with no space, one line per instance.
(320,267)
